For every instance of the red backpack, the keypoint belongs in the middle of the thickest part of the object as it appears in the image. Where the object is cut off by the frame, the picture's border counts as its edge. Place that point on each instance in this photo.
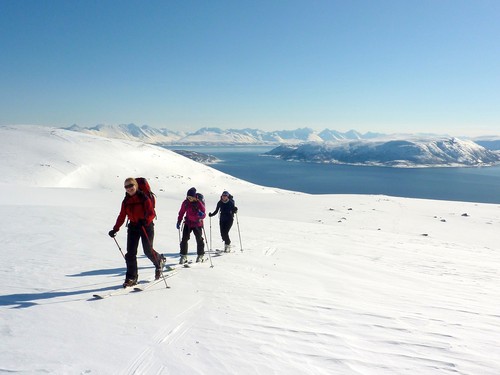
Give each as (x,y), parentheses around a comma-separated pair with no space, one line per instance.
(146,190)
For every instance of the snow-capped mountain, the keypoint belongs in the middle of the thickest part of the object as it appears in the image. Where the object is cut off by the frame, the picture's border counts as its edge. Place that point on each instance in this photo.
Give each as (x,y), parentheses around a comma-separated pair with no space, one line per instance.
(298,135)
(393,152)
(217,136)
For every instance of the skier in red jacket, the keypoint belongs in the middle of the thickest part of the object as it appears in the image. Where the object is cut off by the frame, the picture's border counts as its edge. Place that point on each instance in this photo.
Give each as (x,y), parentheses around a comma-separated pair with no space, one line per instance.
(138,207)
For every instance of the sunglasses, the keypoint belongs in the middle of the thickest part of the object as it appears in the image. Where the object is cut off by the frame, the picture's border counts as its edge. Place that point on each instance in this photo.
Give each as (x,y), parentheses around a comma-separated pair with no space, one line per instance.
(191,199)
(129,186)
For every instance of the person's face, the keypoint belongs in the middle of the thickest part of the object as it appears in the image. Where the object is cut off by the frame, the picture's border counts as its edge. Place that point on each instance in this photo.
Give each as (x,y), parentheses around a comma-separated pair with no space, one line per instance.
(224,198)
(130,188)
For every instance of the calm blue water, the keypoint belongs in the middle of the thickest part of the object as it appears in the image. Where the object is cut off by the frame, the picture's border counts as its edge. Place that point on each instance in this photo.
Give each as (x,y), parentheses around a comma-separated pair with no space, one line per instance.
(458,184)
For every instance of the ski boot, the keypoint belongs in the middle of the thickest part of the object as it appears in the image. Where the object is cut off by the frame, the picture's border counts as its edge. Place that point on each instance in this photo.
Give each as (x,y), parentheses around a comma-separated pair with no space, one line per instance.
(200,258)
(160,267)
(183,260)
(130,282)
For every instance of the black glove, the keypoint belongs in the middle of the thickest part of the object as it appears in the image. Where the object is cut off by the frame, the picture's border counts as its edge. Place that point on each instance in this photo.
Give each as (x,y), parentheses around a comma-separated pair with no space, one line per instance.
(112,233)
(178,226)
(210,214)
(235,209)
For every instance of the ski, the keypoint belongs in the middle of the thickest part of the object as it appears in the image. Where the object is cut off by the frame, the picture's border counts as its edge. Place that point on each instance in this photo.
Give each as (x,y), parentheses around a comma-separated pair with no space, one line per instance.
(116,292)
(174,267)
(148,284)
(191,263)
(140,286)
(188,264)
(216,252)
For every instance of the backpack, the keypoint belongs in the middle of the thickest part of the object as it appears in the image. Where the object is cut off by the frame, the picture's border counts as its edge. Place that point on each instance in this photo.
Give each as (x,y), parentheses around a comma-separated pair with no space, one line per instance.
(200,197)
(144,187)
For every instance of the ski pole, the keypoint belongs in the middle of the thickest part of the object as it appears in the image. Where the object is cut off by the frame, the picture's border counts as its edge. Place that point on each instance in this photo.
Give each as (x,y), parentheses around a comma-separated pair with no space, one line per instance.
(239,234)
(116,242)
(154,255)
(209,255)
(210,233)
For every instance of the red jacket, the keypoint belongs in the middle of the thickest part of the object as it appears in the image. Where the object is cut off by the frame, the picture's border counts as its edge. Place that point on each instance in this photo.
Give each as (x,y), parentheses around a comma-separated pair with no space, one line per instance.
(194,211)
(136,207)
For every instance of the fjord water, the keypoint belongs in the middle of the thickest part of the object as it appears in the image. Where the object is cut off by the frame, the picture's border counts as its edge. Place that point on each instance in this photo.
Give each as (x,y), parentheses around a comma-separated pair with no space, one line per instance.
(456,184)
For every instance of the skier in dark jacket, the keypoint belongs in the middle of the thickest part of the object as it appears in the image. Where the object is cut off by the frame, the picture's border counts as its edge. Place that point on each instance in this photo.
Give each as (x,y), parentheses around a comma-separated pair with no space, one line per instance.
(139,209)
(227,209)
(193,211)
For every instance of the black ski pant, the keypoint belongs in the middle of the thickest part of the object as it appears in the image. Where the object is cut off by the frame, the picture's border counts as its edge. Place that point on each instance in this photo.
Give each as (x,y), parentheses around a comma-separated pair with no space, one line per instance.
(200,245)
(135,233)
(225,226)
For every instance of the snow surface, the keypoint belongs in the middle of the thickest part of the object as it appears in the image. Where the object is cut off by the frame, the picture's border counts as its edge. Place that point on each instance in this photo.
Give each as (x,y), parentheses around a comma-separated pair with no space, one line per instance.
(325,284)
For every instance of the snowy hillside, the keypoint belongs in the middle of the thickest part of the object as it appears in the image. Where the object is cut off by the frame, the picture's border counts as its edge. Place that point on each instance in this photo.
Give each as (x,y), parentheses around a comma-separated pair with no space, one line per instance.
(326,284)
(392,152)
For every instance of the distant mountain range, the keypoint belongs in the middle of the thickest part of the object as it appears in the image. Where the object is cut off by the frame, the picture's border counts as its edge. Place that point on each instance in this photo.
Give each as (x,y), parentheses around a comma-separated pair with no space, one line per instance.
(210,136)
(327,146)
(417,152)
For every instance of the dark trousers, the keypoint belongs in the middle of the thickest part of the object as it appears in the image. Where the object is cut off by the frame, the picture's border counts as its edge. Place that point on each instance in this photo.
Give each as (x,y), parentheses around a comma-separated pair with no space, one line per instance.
(197,231)
(225,226)
(134,234)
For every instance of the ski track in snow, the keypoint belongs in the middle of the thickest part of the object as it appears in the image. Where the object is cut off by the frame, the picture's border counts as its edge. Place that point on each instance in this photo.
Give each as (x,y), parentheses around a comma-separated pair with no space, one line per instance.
(148,361)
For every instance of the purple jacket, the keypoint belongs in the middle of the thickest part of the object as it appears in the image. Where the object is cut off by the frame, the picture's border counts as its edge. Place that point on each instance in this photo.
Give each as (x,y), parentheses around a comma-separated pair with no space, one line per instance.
(194,211)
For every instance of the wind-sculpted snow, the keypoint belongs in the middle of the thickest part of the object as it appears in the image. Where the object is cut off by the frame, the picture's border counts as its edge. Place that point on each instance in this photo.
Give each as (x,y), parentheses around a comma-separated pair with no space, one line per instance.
(395,153)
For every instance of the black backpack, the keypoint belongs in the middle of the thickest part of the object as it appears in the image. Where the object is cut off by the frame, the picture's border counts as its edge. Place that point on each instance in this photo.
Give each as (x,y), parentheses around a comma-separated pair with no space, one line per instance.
(200,197)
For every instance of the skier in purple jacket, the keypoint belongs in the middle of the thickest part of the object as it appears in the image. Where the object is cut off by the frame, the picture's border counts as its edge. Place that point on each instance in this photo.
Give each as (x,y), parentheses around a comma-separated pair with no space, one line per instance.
(193,212)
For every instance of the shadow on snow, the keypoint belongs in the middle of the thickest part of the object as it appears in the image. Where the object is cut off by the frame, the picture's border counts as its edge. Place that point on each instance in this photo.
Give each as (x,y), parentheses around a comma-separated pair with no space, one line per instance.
(24,300)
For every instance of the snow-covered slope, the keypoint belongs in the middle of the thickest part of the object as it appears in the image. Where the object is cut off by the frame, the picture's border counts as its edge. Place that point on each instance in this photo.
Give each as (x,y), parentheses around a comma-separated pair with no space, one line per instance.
(393,152)
(327,284)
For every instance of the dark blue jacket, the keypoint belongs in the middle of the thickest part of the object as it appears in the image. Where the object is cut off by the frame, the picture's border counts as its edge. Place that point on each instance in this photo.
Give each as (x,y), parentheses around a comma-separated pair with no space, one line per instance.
(227,210)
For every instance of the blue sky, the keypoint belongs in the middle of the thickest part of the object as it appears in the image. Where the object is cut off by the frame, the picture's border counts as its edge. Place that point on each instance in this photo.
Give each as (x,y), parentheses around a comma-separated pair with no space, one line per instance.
(385,66)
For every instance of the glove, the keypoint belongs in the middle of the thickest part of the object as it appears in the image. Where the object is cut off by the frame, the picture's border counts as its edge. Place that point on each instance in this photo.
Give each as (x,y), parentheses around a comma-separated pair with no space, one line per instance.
(178,226)
(235,209)
(142,222)
(201,213)
(112,233)
(210,214)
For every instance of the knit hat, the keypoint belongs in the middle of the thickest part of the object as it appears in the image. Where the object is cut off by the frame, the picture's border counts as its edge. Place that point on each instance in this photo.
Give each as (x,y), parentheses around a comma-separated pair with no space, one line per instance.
(191,192)
(225,193)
